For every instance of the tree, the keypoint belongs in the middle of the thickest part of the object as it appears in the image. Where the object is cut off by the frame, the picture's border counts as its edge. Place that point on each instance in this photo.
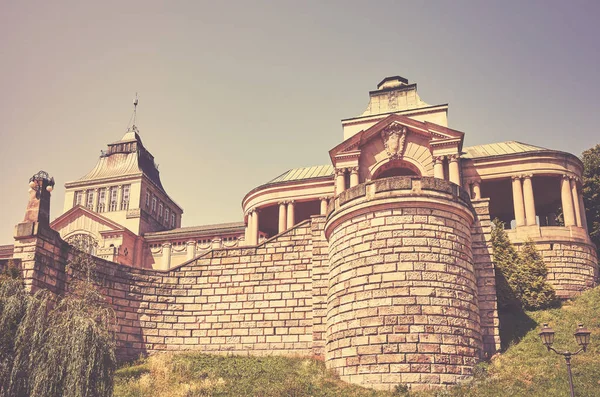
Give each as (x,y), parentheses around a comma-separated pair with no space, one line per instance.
(591,191)
(57,346)
(520,276)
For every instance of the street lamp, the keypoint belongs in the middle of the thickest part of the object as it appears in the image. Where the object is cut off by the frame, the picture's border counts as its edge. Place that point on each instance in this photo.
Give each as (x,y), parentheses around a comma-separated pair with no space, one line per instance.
(582,336)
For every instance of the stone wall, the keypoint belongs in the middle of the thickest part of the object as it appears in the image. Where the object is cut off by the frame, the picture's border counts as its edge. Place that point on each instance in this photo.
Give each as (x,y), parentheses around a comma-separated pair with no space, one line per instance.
(242,300)
(403,299)
(483,261)
(572,265)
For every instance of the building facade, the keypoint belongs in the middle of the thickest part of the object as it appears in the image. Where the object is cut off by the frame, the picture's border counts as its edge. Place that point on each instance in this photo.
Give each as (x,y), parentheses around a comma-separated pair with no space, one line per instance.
(380,262)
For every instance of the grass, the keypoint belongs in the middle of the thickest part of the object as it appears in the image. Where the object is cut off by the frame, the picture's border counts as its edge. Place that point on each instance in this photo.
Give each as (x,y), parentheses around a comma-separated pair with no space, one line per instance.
(525,369)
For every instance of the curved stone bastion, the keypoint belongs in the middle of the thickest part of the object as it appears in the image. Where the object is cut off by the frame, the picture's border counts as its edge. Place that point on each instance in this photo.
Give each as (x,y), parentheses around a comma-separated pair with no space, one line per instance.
(402,303)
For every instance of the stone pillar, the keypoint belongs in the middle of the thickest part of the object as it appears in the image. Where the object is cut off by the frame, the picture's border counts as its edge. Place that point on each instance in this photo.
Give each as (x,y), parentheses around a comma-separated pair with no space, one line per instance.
(353,176)
(567,201)
(576,205)
(438,167)
(191,250)
(582,209)
(323,205)
(166,256)
(291,216)
(119,197)
(255,223)
(518,203)
(282,217)
(529,200)
(340,180)
(477,190)
(454,169)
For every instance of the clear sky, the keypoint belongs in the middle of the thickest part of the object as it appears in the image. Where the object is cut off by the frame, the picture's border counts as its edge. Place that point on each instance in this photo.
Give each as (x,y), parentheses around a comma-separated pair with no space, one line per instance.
(233,94)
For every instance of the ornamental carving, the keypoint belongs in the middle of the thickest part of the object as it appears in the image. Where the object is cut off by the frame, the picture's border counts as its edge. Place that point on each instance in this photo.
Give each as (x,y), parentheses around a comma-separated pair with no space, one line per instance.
(394,140)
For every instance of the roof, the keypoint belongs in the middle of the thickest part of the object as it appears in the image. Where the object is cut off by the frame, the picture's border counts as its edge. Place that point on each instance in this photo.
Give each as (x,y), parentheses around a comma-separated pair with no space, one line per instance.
(215,229)
(128,160)
(499,149)
(298,174)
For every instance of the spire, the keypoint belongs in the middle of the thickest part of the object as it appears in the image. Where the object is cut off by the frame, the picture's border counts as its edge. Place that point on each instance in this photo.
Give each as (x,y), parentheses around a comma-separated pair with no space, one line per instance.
(131,126)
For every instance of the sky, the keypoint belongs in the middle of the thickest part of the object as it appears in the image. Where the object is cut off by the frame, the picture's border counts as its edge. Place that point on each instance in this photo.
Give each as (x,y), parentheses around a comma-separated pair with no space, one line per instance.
(234,93)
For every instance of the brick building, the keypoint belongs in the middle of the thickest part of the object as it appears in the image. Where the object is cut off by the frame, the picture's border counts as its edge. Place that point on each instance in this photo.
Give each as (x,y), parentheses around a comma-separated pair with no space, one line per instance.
(380,262)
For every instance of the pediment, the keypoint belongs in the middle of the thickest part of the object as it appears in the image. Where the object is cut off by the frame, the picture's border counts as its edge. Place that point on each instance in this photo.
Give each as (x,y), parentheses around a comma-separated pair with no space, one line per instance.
(435,134)
(83,215)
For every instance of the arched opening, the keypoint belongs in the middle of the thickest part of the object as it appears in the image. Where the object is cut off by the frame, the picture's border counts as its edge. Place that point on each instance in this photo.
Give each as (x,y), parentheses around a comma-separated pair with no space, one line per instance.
(396,168)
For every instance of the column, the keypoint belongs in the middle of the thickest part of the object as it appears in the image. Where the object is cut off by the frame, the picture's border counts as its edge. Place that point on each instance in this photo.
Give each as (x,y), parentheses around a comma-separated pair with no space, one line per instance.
(323,205)
(454,169)
(217,243)
(291,216)
(582,209)
(518,200)
(353,176)
(567,201)
(529,200)
(254,232)
(340,180)
(282,217)
(576,206)
(166,256)
(477,190)
(248,231)
(119,197)
(96,199)
(438,167)
(190,250)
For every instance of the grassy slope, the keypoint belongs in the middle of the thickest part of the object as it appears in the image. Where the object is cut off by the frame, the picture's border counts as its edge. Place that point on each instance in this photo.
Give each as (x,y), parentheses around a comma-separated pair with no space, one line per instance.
(525,369)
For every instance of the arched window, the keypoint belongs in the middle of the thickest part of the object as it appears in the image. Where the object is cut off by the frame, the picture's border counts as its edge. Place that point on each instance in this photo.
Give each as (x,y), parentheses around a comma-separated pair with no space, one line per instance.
(396,168)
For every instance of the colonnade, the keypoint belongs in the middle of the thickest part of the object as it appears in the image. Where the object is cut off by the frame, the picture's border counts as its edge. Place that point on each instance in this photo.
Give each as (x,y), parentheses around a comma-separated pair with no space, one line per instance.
(340,178)
(453,168)
(524,201)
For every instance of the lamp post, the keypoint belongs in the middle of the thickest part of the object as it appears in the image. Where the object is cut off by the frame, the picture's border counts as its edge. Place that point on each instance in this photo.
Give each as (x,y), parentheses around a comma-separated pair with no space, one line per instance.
(582,336)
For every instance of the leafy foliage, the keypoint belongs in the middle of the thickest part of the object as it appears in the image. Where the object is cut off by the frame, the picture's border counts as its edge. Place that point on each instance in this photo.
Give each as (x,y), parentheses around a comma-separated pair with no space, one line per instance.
(591,191)
(57,347)
(521,276)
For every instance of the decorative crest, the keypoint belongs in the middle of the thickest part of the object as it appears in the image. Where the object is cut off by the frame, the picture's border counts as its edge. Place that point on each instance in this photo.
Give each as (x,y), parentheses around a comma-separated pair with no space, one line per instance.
(394,139)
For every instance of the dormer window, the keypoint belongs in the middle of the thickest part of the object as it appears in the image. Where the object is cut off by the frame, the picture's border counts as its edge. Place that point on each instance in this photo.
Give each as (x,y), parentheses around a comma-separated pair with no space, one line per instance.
(147,198)
(167,216)
(160,211)
(172,220)
(153,203)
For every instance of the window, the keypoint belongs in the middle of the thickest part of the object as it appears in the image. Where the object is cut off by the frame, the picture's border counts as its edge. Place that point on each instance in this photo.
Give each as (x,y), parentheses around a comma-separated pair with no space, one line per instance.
(113,198)
(172,220)
(101,200)
(79,197)
(167,216)
(125,199)
(147,198)
(89,201)
(160,211)
(154,204)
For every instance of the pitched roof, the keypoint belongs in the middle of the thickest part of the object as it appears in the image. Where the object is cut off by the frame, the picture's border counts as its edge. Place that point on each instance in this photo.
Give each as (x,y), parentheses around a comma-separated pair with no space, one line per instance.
(197,231)
(499,149)
(303,173)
